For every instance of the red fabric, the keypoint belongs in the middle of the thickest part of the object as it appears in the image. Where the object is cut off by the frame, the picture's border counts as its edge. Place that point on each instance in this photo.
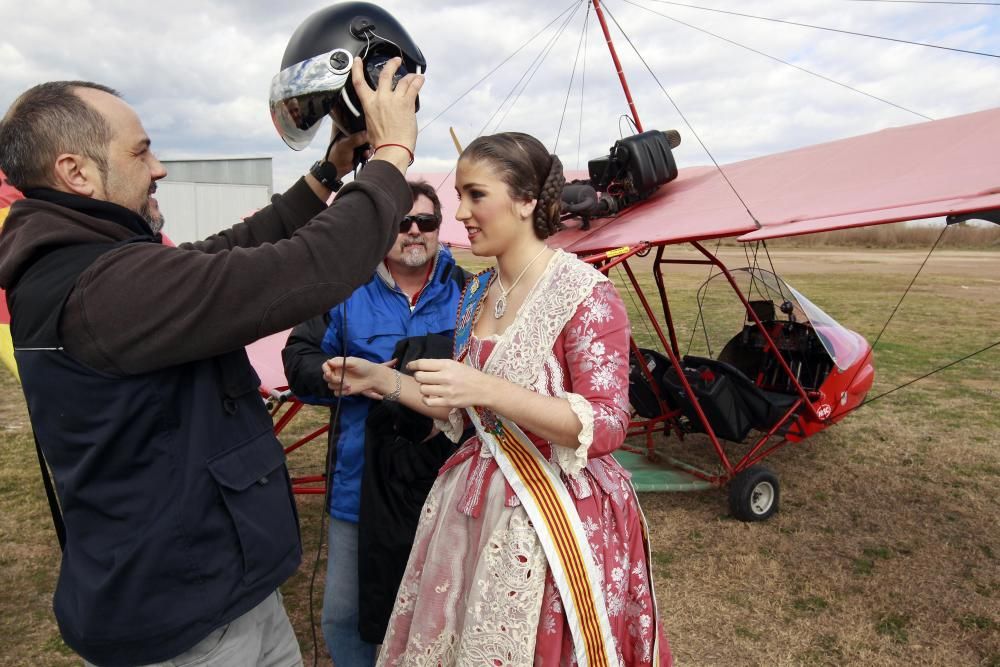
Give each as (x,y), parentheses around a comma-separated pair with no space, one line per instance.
(265,357)
(925,170)
(8,193)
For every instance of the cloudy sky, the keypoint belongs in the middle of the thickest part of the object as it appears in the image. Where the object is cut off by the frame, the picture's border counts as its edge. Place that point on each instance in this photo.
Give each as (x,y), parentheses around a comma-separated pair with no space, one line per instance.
(198,72)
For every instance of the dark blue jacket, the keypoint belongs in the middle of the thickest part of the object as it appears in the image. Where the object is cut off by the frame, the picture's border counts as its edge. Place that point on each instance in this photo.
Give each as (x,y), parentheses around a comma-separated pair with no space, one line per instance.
(378,316)
(177,504)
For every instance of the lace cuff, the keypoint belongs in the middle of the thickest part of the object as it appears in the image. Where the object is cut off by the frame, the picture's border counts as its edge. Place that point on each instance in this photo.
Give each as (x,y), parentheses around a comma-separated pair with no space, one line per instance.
(572,461)
(454,427)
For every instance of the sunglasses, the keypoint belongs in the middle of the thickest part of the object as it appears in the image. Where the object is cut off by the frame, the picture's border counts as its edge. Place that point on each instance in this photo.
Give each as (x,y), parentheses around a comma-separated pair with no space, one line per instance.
(425,223)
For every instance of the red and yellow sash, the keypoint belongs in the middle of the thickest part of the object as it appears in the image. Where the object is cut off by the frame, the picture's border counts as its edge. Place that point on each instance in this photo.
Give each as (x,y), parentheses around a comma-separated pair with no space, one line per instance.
(552,512)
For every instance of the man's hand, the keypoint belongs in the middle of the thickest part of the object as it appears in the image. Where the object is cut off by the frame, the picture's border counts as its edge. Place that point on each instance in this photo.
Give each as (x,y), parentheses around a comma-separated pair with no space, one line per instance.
(341,152)
(341,155)
(390,114)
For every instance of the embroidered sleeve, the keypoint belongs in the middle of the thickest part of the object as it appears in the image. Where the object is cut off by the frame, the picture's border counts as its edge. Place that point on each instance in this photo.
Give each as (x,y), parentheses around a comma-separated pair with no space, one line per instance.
(455,425)
(596,342)
(572,461)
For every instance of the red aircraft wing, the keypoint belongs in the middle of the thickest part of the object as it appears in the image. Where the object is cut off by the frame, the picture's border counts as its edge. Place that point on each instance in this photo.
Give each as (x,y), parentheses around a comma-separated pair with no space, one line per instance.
(930,169)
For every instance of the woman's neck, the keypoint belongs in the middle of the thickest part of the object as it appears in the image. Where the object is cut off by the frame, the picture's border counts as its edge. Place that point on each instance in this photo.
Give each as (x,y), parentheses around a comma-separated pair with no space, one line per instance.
(513,260)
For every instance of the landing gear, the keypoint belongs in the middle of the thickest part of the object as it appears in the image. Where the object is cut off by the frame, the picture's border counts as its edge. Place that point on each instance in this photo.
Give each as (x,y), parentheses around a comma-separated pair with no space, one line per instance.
(753,494)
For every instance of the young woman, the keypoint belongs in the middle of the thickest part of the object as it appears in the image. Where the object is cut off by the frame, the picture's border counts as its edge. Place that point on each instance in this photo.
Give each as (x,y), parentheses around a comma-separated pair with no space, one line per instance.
(531,548)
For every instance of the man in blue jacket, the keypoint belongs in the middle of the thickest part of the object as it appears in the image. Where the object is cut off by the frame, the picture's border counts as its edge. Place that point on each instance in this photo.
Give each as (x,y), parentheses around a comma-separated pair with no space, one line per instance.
(414,292)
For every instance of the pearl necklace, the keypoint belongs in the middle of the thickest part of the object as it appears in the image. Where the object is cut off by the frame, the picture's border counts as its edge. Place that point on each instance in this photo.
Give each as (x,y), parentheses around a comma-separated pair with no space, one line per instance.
(501,305)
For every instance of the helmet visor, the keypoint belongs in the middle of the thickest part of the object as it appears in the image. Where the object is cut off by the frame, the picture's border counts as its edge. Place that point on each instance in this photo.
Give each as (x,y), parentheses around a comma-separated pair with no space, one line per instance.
(303,94)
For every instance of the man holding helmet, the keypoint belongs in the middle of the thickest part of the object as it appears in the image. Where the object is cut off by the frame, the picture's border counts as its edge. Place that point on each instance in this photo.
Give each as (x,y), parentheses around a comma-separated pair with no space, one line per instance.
(413,292)
(317,62)
(179,519)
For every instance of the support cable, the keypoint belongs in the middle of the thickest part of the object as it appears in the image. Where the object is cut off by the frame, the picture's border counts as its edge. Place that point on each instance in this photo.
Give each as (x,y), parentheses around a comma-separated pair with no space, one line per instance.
(502,63)
(932,2)
(541,55)
(627,285)
(551,45)
(925,375)
(783,62)
(683,117)
(777,278)
(583,88)
(572,78)
(700,319)
(819,27)
(753,270)
(908,287)
(900,302)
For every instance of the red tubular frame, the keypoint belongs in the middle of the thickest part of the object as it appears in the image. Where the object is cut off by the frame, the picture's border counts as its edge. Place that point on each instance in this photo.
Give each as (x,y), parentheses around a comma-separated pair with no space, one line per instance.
(662,288)
(618,64)
(647,427)
(303,484)
(667,420)
(750,311)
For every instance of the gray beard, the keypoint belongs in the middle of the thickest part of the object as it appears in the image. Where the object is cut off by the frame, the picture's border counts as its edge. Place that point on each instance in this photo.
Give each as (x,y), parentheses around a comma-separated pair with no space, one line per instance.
(414,260)
(155,222)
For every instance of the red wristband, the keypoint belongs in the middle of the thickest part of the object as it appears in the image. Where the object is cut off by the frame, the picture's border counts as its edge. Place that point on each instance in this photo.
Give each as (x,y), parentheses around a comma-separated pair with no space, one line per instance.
(409,152)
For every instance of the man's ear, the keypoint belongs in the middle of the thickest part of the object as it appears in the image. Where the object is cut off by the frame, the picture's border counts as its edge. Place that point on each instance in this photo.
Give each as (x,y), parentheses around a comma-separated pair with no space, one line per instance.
(78,175)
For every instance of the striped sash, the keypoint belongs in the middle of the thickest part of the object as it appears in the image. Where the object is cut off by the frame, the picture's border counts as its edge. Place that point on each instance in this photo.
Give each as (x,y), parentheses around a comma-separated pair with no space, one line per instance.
(560,532)
(549,506)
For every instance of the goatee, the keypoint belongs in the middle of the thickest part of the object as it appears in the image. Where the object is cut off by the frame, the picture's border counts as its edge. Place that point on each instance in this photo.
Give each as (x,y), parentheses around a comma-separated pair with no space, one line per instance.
(154,220)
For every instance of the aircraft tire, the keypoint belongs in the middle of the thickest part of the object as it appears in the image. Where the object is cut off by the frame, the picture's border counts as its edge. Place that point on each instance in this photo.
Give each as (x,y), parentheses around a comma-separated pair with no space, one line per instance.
(754,494)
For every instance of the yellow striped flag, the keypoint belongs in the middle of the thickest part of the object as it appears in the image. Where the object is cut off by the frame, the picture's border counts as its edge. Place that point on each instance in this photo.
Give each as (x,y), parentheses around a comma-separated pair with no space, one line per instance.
(8,195)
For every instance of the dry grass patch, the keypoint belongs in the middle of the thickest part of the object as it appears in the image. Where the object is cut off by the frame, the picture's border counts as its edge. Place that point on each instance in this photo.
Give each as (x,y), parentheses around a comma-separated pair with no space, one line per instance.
(886,550)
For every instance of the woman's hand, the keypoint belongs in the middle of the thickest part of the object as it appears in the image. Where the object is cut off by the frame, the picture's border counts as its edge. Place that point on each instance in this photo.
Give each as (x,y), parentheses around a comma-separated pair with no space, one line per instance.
(360,376)
(451,384)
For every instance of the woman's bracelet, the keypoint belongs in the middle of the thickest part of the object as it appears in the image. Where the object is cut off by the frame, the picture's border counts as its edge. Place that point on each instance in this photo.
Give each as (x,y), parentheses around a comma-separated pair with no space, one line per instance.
(408,151)
(394,394)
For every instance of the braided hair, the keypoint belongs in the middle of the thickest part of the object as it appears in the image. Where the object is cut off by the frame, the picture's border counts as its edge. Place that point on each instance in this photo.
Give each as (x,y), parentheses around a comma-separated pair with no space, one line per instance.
(530,172)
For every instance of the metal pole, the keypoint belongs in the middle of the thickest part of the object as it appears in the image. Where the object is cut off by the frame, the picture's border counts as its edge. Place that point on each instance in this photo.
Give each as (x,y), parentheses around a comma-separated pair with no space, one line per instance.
(618,65)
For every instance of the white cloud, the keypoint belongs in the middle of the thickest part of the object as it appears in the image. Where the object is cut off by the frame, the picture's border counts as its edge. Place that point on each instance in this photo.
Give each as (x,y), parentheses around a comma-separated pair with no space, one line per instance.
(198,72)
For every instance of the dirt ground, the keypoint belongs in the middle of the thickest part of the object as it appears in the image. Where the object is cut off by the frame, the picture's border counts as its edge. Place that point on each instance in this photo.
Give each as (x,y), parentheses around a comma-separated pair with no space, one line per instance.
(886,550)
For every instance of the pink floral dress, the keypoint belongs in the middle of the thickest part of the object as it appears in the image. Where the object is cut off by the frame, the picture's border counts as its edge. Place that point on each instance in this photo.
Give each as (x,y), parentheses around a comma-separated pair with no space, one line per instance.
(477,588)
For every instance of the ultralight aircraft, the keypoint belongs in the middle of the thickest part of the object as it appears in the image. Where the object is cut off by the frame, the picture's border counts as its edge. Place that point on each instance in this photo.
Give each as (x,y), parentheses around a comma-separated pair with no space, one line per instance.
(783,370)
(786,370)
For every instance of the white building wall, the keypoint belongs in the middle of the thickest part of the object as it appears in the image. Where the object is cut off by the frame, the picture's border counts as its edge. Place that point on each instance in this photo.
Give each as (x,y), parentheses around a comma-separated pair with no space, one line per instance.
(194,211)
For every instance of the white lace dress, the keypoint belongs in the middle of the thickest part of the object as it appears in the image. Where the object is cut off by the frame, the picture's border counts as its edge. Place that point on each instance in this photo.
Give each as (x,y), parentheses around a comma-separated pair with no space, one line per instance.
(477,589)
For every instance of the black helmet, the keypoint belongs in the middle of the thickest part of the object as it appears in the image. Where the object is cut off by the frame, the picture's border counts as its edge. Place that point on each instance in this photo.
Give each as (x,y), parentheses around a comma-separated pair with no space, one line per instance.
(315,75)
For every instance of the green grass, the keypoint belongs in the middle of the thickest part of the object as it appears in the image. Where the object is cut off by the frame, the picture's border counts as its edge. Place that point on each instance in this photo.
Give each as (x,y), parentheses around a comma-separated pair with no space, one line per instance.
(885,551)
(893,626)
(976,622)
(810,604)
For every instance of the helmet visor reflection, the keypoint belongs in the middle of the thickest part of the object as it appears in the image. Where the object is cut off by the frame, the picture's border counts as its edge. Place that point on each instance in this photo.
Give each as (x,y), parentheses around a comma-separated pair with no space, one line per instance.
(303,94)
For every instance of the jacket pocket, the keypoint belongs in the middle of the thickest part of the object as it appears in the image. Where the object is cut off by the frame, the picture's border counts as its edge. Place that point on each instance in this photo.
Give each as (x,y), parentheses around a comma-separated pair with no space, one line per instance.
(257,494)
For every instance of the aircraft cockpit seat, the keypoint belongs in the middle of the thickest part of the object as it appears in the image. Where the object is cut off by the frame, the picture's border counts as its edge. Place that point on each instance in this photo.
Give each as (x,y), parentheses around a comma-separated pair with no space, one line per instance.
(731,401)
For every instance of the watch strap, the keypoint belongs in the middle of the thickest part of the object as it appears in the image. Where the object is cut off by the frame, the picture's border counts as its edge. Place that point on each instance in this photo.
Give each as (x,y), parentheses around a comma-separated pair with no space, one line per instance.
(326,173)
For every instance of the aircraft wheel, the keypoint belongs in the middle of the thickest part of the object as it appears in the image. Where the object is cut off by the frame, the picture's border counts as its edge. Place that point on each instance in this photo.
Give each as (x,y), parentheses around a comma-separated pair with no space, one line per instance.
(754,494)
